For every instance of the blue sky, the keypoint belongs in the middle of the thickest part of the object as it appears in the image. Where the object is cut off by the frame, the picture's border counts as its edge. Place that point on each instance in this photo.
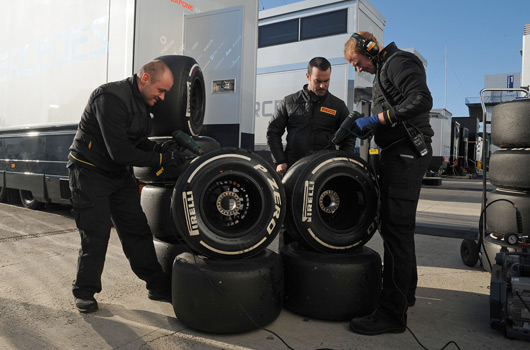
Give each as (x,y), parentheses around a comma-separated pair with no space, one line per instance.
(481,36)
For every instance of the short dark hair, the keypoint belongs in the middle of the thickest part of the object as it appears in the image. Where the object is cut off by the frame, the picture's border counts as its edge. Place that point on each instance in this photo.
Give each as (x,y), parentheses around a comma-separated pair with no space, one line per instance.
(319,62)
(155,69)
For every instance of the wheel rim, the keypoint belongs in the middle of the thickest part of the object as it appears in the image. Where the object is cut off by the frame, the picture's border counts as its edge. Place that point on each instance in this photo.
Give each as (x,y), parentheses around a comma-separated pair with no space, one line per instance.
(232,200)
(196,106)
(341,202)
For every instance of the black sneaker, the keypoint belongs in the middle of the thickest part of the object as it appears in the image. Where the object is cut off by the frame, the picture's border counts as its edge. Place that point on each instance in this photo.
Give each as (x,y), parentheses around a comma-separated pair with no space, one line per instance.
(165,297)
(86,305)
(376,323)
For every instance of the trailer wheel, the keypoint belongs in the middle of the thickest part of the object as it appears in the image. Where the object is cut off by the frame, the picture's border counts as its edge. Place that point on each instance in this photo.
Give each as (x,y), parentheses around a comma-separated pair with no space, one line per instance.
(507,212)
(227,296)
(510,168)
(228,204)
(183,106)
(334,287)
(148,174)
(469,250)
(28,201)
(333,201)
(3,194)
(509,124)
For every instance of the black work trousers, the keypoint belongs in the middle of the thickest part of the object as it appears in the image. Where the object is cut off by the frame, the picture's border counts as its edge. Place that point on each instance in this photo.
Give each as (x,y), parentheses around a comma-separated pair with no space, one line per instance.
(401,174)
(97,198)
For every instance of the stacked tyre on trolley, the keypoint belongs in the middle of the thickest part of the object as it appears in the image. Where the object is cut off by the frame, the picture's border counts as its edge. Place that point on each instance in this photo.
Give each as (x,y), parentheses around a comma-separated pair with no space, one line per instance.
(507,213)
(508,206)
(214,218)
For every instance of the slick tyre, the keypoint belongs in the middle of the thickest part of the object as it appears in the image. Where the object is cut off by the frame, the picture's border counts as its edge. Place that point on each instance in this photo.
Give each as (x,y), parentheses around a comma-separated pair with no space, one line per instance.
(151,175)
(156,204)
(183,105)
(508,213)
(228,204)
(334,287)
(227,296)
(166,252)
(510,125)
(509,168)
(333,201)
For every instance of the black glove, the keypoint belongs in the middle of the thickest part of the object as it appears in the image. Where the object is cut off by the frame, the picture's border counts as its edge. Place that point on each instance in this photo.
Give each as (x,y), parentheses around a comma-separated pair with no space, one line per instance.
(165,146)
(172,158)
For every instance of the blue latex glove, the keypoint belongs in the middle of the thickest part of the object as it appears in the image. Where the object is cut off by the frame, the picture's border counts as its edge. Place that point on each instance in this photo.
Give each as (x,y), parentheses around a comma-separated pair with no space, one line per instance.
(364,122)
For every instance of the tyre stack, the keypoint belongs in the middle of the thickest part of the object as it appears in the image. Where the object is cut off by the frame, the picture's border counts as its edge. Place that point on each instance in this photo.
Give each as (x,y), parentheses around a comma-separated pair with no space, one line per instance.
(211,213)
(508,206)
(228,206)
(182,109)
(332,211)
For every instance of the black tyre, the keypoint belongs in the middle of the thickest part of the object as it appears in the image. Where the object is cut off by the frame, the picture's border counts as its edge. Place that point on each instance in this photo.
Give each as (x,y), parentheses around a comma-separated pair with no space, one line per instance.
(335,287)
(28,201)
(510,168)
(166,252)
(510,125)
(333,201)
(149,175)
(228,204)
(227,296)
(183,105)
(156,204)
(469,252)
(508,212)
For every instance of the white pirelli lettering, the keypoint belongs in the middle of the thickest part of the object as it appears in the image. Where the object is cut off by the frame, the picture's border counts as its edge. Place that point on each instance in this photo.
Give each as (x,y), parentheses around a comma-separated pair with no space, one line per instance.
(307,209)
(190,214)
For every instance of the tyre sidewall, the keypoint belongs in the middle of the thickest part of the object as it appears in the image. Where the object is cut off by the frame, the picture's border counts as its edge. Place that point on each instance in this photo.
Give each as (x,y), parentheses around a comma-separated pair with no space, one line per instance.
(194,220)
(304,186)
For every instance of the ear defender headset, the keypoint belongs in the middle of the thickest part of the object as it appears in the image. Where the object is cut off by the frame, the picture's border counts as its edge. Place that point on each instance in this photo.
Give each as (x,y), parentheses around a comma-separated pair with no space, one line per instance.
(368,47)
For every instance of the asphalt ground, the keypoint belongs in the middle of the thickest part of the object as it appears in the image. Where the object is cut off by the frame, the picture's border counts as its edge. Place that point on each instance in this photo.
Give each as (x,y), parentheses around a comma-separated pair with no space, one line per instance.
(38,253)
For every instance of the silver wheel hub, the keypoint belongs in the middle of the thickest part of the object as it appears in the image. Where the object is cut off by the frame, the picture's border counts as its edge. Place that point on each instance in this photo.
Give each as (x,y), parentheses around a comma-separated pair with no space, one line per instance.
(228,203)
(329,201)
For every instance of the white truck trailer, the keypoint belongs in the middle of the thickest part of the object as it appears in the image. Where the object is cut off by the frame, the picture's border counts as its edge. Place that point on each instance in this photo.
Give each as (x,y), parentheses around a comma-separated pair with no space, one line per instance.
(54,53)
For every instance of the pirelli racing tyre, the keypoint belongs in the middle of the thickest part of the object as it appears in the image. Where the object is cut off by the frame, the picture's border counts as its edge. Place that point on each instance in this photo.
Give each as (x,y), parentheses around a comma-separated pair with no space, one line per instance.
(156,204)
(166,252)
(28,201)
(509,168)
(332,201)
(151,175)
(183,105)
(228,204)
(334,287)
(227,296)
(508,212)
(510,126)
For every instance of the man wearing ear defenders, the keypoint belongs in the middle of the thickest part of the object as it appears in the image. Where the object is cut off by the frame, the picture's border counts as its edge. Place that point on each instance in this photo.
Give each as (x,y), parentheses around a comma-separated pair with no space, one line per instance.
(401,105)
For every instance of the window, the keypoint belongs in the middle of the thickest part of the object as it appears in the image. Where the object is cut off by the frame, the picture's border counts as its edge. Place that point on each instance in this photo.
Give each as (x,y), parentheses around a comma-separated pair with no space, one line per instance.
(278,33)
(325,24)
